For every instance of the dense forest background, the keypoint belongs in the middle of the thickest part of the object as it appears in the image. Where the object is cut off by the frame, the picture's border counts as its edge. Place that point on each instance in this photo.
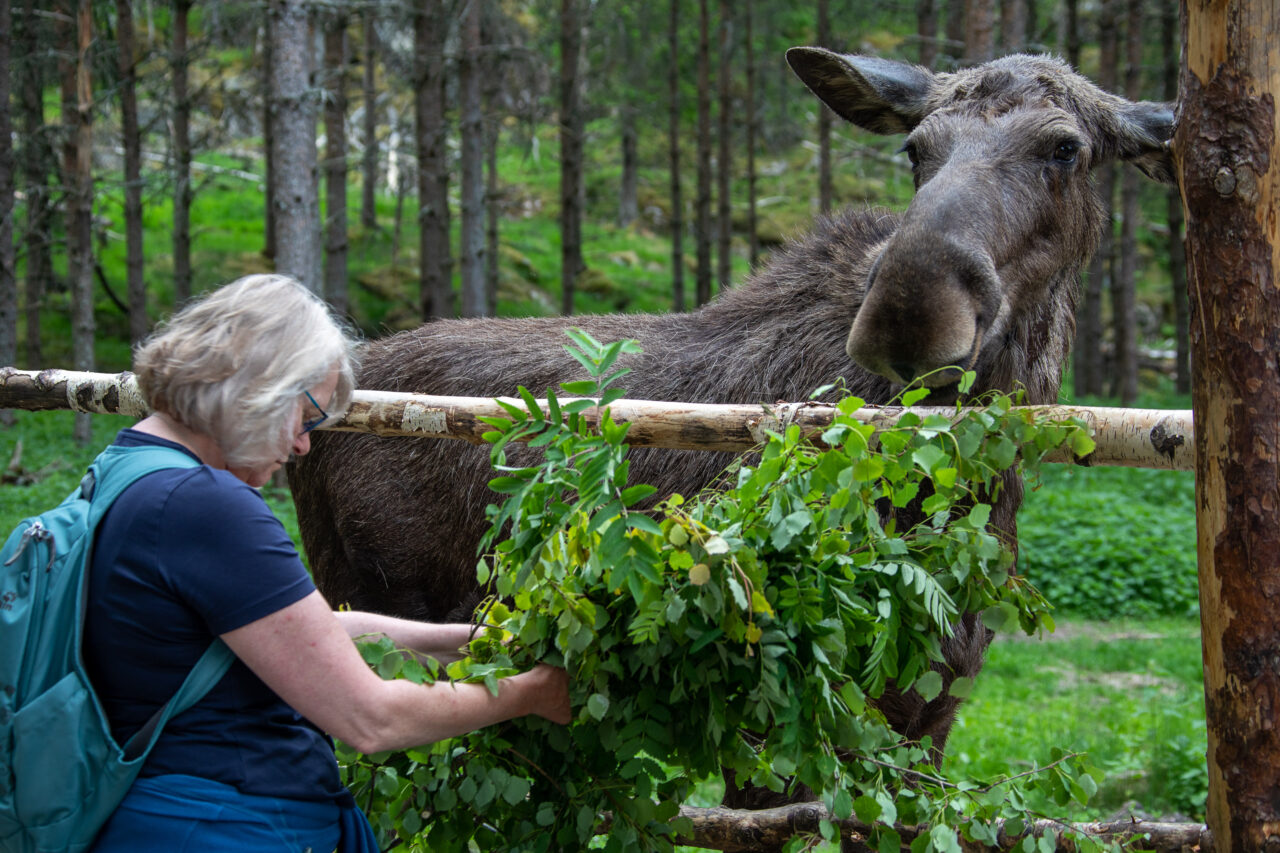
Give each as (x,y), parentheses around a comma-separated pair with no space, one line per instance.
(436,158)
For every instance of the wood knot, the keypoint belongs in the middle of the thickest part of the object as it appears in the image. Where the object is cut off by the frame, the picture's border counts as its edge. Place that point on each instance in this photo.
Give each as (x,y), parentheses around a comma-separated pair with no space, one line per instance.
(1225,183)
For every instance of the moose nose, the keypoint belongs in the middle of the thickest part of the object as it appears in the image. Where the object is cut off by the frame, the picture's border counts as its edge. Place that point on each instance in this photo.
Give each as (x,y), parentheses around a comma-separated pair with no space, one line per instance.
(906,371)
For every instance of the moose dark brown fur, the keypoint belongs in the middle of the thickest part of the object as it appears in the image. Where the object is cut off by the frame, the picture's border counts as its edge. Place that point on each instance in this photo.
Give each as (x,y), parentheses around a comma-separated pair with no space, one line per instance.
(979,272)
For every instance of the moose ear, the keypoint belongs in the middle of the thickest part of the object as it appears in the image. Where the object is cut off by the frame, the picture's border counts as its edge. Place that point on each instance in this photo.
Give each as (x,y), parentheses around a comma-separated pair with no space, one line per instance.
(1143,135)
(879,95)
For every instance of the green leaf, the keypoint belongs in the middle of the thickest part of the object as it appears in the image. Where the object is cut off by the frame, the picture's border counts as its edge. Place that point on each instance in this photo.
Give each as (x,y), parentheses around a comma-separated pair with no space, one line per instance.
(928,685)
(598,705)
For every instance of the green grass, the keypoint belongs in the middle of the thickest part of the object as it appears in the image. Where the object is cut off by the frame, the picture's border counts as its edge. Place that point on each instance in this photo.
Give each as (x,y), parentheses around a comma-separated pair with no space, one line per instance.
(1127,692)
(50,465)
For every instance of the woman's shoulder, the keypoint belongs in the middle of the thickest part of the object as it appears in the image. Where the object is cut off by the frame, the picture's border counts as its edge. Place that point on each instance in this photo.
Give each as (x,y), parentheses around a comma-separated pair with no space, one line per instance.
(203,492)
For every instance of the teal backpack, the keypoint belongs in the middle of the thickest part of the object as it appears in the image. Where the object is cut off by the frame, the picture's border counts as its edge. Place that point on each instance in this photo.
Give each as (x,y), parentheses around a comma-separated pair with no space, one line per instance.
(61,772)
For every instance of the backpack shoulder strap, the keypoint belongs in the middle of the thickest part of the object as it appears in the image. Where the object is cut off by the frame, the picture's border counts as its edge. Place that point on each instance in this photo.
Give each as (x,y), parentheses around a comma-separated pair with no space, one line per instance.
(213,664)
(117,468)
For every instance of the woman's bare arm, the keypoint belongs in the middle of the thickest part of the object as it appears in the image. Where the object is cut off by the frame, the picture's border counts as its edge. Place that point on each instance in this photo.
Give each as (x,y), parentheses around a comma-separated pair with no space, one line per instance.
(304,653)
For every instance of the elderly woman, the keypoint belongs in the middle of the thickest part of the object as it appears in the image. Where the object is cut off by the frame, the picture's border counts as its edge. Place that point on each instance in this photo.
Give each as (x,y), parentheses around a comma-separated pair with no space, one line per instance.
(185,555)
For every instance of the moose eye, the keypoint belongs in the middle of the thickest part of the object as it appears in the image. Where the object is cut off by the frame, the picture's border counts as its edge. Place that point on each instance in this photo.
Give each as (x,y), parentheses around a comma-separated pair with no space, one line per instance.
(1066,151)
(912,155)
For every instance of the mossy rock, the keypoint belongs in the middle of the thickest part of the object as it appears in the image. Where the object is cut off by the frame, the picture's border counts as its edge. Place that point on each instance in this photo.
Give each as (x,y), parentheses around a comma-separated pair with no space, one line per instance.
(518,261)
(595,282)
(393,284)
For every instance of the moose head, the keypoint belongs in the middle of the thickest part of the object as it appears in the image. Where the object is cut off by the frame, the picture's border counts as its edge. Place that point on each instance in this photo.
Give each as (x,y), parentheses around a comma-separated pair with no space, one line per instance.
(1004,212)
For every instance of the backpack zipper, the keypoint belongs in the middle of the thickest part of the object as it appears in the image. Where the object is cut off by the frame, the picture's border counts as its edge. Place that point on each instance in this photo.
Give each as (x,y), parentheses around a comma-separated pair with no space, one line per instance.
(39,533)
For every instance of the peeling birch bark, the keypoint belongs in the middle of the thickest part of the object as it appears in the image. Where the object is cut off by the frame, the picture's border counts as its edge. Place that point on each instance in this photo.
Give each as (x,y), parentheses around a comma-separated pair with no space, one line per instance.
(1142,438)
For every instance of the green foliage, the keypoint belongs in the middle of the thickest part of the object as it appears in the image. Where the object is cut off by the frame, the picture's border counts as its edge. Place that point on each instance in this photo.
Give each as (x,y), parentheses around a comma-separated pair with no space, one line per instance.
(752,627)
(1112,542)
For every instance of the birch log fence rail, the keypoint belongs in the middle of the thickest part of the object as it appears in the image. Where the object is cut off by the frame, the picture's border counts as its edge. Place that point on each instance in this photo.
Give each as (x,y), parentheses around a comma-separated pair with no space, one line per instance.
(1136,438)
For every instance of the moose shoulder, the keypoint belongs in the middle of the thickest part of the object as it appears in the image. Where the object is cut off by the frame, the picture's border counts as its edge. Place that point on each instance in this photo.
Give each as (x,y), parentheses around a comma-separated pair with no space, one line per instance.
(979,273)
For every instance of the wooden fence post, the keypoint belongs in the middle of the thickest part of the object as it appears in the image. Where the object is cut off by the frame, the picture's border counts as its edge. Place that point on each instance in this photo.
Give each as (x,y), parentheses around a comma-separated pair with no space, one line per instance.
(1229,164)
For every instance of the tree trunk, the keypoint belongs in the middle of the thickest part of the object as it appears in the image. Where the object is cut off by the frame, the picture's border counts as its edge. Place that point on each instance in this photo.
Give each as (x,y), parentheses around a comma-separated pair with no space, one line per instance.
(673,152)
(927,32)
(181,157)
(294,108)
(724,156)
(1229,159)
(571,153)
(8,277)
(979,32)
(753,239)
(492,76)
(1089,373)
(1169,46)
(629,188)
(702,220)
(335,162)
(78,177)
(37,162)
(132,143)
(369,184)
(955,30)
(268,139)
(1013,25)
(1124,293)
(475,302)
(435,257)
(825,116)
(1071,22)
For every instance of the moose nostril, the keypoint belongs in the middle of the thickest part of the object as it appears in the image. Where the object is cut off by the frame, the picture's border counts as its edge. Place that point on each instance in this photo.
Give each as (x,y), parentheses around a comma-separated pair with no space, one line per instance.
(906,372)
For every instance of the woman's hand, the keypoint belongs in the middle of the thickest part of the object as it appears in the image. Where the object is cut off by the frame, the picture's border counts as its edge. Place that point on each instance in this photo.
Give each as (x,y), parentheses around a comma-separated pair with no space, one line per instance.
(551,690)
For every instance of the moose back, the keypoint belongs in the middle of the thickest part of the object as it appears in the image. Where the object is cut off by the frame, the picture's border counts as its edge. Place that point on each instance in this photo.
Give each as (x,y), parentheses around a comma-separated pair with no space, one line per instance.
(979,273)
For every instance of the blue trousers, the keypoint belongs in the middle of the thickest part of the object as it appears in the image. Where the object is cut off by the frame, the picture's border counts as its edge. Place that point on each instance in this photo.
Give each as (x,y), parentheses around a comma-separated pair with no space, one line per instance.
(187,814)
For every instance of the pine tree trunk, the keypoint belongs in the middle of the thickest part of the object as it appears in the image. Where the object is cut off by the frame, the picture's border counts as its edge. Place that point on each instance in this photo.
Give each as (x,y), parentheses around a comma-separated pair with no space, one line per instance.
(825,192)
(724,155)
(268,141)
(1071,22)
(1013,25)
(78,177)
(1228,154)
(335,162)
(294,107)
(475,302)
(702,221)
(181,157)
(1124,295)
(37,162)
(132,143)
(673,153)
(571,153)
(492,192)
(8,276)
(435,256)
(979,32)
(927,31)
(629,187)
(369,184)
(1169,46)
(1089,371)
(753,239)
(955,31)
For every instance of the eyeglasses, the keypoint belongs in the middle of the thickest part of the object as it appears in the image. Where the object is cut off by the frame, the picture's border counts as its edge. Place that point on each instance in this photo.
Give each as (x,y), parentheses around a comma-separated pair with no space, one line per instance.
(308,426)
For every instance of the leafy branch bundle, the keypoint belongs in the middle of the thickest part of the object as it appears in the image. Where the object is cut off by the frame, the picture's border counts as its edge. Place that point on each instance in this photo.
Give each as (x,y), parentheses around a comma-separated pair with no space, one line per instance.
(751,627)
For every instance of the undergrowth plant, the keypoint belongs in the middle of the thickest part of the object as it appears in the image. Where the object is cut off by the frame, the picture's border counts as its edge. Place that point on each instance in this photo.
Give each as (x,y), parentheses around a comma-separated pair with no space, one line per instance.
(752,627)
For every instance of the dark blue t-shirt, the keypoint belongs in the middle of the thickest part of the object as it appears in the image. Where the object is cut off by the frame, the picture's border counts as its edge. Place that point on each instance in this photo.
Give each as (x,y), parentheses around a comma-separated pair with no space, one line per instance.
(182,556)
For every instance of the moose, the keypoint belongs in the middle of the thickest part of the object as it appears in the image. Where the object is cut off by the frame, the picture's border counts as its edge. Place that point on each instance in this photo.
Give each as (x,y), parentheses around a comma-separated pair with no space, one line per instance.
(980,273)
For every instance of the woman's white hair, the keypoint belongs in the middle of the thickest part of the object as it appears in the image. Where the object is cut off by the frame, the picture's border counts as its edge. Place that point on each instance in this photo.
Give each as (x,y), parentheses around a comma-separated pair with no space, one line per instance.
(235,365)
